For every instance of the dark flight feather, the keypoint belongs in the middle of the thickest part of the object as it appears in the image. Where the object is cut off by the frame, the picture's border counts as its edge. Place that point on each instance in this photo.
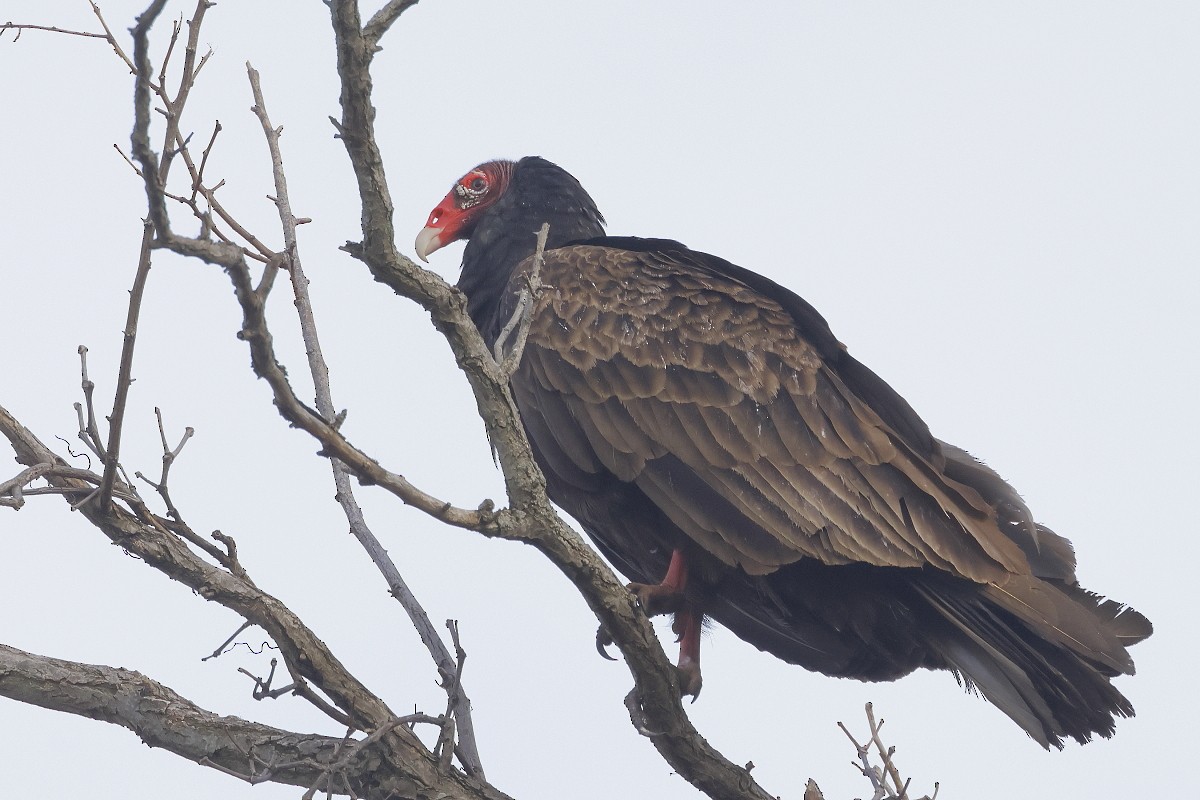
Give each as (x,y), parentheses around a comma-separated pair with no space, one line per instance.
(677,401)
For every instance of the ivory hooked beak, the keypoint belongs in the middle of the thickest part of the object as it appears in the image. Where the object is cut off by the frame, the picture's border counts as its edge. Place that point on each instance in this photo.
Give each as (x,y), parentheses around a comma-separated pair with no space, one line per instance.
(428,240)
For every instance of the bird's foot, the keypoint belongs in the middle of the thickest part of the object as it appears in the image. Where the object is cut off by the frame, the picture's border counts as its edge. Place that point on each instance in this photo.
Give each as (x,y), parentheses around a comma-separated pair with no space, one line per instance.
(666,597)
(690,681)
(657,598)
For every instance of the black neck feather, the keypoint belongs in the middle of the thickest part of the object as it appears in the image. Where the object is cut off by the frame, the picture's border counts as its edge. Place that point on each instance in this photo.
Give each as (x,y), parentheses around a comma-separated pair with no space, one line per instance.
(538,192)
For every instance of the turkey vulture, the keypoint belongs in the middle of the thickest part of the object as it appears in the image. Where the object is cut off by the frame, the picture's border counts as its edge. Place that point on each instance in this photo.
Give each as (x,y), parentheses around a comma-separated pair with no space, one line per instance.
(727,454)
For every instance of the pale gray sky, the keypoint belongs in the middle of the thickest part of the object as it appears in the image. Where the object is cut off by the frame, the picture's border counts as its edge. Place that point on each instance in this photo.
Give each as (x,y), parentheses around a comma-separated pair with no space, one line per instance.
(995,206)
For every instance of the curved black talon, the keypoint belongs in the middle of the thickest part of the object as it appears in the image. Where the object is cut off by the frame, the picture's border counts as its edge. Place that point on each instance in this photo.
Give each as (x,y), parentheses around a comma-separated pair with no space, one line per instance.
(603,640)
(638,717)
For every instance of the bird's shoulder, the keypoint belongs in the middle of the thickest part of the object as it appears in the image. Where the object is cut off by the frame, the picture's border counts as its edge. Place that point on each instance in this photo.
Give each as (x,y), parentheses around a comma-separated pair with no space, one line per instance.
(643,266)
(659,304)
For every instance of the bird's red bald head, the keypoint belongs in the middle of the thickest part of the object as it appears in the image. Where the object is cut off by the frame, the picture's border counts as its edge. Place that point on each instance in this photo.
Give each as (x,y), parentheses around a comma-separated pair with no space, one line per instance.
(454,218)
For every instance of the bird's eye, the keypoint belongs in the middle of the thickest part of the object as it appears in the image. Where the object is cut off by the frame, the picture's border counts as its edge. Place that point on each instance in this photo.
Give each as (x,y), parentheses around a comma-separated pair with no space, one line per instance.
(471,188)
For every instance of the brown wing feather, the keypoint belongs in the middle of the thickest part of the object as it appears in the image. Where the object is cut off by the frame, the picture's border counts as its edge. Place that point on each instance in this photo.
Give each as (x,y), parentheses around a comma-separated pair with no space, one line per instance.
(700,390)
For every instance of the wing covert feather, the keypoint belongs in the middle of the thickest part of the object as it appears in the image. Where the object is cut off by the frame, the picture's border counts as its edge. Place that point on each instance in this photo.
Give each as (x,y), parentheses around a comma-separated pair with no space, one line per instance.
(703,392)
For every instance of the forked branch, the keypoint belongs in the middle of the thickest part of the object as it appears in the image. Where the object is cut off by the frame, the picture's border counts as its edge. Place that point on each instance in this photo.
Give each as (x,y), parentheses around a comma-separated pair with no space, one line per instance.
(885,779)
(163,718)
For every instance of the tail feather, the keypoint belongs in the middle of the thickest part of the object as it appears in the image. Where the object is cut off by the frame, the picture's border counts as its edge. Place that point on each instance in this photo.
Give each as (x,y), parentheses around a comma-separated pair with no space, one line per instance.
(1124,623)
(1063,619)
(1050,677)
(1043,651)
(1002,682)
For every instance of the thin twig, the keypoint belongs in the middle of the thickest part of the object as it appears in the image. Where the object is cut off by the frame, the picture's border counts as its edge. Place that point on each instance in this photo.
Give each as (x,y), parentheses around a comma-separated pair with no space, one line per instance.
(453,685)
(212,140)
(14,491)
(886,753)
(112,40)
(260,251)
(21,27)
(175,143)
(166,59)
(168,459)
(125,373)
(221,647)
(89,431)
(878,785)
(522,317)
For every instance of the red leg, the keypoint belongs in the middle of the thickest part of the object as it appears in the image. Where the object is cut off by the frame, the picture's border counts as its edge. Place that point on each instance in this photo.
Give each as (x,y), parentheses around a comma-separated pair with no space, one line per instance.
(687,625)
(668,597)
(677,572)
(665,597)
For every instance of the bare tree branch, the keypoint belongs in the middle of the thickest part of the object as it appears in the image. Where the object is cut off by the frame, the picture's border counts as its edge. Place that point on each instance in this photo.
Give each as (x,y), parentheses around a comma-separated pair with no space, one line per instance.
(304,653)
(378,25)
(163,718)
(460,703)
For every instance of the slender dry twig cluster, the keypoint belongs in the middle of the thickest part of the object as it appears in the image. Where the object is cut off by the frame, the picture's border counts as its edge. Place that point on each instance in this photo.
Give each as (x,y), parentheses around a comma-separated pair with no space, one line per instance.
(885,779)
